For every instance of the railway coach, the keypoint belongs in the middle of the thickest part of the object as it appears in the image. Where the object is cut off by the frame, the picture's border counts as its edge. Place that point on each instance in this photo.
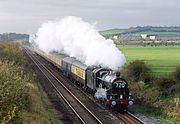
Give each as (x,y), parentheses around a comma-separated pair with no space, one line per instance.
(78,71)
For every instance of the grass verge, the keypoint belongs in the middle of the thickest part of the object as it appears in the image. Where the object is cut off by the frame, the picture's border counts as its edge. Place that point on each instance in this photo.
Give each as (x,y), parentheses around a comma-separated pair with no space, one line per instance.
(39,111)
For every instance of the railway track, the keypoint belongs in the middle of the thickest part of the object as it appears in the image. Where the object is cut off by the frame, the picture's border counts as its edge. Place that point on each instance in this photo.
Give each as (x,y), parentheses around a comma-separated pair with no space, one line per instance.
(127,118)
(84,115)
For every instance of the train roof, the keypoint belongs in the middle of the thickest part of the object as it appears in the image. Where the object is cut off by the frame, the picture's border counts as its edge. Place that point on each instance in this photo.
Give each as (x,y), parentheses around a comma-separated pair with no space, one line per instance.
(57,53)
(69,60)
(61,56)
(80,64)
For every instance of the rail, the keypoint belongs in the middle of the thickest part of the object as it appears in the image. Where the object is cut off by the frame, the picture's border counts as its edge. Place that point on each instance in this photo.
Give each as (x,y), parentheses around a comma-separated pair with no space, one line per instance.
(38,63)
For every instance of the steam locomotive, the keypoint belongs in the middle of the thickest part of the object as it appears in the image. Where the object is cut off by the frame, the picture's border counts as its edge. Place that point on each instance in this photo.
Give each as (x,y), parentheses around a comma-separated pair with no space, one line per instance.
(115,93)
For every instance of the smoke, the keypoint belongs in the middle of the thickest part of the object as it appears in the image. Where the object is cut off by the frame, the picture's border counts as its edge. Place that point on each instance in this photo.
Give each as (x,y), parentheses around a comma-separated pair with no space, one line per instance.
(81,40)
(32,40)
(101,93)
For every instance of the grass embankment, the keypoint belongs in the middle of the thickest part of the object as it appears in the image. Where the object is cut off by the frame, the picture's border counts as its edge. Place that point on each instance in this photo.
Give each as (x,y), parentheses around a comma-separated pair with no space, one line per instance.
(158,96)
(162,59)
(21,100)
(39,111)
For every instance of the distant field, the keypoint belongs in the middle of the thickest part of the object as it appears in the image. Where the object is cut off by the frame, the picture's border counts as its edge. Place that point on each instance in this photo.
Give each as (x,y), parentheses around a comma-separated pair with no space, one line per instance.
(137,31)
(113,31)
(154,32)
(162,59)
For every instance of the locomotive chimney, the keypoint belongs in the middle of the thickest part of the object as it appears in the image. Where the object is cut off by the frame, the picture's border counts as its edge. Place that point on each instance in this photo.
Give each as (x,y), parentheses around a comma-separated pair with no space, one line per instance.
(118,74)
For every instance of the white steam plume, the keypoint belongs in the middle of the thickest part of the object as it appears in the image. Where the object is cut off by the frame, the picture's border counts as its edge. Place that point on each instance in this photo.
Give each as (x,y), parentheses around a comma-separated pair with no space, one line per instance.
(81,40)
(101,93)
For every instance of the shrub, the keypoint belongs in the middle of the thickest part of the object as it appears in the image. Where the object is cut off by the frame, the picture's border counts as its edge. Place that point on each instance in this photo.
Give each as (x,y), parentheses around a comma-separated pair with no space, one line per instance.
(164,83)
(138,70)
(174,89)
(176,74)
(10,51)
(13,92)
(144,93)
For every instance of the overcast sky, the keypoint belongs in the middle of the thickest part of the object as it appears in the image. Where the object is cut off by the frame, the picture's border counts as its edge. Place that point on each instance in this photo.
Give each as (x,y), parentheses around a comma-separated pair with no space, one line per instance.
(25,16)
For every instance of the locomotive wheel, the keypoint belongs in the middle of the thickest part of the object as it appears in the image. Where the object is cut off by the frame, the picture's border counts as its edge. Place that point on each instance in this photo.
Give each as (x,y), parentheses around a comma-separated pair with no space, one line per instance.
(107,105)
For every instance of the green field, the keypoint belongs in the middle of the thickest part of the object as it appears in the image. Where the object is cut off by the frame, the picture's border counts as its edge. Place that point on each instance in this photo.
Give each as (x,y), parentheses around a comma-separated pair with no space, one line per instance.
(113,31)
(162,59)
(155,32)
(137,31)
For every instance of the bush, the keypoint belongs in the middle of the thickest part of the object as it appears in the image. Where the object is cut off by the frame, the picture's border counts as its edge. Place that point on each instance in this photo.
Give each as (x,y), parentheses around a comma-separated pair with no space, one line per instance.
(174,89)
(13,92)
(176,74)
(144,93)
(10,51)
(138,70)
(164,83)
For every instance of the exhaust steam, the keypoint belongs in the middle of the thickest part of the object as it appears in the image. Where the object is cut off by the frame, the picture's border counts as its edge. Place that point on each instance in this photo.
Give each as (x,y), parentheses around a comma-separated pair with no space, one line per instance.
(81,40)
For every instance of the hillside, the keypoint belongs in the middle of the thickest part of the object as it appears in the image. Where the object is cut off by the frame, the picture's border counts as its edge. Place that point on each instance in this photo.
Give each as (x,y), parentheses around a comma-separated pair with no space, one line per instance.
(14,37)
(113,31)
(168,32)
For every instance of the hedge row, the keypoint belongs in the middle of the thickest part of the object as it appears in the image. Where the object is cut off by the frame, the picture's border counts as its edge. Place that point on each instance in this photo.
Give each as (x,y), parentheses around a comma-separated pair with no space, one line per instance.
(13,90)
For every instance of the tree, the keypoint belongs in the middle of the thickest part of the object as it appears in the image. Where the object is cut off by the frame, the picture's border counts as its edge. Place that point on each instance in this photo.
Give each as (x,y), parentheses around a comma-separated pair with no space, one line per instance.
(176,74)
(138,70)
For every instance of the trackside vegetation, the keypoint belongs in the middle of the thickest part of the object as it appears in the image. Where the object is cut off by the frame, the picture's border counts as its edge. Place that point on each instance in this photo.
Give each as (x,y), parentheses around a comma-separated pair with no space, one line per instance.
(21,99)
(156,96)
